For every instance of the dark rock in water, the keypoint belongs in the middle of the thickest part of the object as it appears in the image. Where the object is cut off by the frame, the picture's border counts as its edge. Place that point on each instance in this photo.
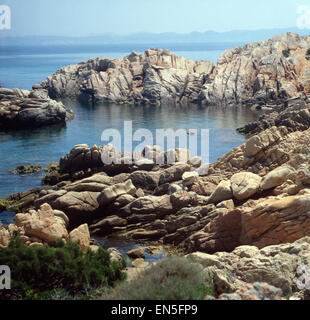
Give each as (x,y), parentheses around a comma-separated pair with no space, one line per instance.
(23,170)
(30,109)
(294,114)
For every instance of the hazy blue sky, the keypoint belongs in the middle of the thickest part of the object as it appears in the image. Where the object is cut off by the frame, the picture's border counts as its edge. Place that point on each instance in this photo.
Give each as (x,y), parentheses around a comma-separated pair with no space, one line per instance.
(81,17)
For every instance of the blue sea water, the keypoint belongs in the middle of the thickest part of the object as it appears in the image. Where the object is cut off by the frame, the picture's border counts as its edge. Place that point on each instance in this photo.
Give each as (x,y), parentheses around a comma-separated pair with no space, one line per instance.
(22,67)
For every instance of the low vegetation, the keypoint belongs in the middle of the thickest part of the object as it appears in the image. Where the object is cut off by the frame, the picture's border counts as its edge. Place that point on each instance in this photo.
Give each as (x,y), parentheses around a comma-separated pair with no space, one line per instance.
(7,204)
(44,272)
(173,278)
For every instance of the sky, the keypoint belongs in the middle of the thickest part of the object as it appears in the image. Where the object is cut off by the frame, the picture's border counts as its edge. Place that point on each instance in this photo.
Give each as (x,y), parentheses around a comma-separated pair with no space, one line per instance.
(91,17)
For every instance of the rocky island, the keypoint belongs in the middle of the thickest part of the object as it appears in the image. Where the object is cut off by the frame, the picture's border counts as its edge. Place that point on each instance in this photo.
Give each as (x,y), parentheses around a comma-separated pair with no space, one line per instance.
(268,71)
(30,109)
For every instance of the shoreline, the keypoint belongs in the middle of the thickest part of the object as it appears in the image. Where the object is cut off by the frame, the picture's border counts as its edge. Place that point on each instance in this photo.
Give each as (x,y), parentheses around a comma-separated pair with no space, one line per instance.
(254,201)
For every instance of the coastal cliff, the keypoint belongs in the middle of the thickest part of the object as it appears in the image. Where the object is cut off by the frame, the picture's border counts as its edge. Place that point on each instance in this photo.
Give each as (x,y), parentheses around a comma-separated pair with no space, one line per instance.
(273,69)
(261,71)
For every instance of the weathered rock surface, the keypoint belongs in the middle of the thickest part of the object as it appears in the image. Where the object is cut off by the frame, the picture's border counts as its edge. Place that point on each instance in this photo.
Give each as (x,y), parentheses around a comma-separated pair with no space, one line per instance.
(260,71)
(4,236)
(244,185)
(276,265)
(137,253)
(275,221)
(22,108)
(264,71)
(257,194)
(109,194)
(276,177)
(255,291)
(44,226)
(152,77)
(222,192)
(294,114)
(81,236)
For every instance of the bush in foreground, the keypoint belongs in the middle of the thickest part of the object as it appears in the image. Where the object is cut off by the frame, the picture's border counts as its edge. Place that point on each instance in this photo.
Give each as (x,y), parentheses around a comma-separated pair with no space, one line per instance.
(174,278)
(40,269)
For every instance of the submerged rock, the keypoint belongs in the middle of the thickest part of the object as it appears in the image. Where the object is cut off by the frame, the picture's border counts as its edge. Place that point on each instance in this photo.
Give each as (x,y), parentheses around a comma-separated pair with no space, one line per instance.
(23,170)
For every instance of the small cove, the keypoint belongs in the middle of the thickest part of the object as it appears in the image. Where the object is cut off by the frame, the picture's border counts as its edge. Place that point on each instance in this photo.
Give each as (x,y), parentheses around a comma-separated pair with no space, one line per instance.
(21,68)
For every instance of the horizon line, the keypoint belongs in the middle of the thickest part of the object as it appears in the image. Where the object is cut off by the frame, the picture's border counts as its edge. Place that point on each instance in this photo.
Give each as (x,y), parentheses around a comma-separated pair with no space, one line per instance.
(7,33)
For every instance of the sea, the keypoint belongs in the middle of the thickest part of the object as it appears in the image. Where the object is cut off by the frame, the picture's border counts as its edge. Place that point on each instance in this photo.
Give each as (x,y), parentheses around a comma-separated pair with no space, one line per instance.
(23,66)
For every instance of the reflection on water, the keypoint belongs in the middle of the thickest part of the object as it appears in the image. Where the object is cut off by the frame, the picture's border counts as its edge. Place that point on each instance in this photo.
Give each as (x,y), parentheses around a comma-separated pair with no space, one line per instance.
(125,246)
(44,145)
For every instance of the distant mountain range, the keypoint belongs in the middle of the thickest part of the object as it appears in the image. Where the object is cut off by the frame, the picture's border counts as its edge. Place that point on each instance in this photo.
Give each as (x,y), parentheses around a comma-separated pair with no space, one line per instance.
(241,36)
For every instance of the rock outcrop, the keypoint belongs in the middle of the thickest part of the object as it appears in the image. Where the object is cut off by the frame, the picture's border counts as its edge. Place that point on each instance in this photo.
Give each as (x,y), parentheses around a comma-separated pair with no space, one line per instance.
(44,226)
(294,114)
(22,109)
(260,72)
(255,291)
(272,69)
(257,194)
(156,76)
(278,266)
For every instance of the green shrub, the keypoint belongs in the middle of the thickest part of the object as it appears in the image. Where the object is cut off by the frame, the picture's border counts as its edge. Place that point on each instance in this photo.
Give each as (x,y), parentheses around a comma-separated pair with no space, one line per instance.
(173,278)
(39,269)
(308,52)
(286,53)
(6,204)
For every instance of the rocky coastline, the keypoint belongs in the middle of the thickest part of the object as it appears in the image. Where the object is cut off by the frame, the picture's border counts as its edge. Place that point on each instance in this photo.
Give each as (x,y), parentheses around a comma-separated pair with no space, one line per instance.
(21,109)
(262,73)
(254,197)
(244,218)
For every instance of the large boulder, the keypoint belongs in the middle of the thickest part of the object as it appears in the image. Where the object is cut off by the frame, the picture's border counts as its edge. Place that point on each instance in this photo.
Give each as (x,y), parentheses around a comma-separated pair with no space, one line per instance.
(81,236)
(144,179)
(78,206)
(43,224)
(109,194)
(274,221)
(244,185)
(160,206)
(107,225)
(190,178)
(222,192)
(276,177)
